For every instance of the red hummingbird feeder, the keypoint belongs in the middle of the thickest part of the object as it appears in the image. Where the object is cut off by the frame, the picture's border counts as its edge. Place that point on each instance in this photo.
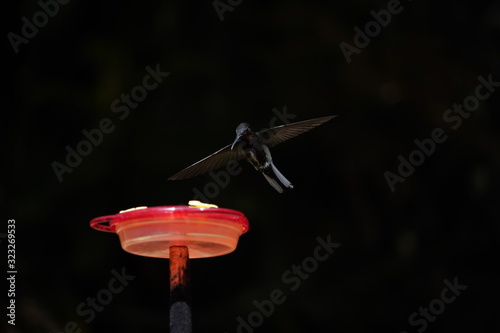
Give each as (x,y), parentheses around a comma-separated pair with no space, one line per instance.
(178,233)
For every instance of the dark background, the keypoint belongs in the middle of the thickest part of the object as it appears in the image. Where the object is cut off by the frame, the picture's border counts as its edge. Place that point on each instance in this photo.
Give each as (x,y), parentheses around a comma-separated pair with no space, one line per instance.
(397,248)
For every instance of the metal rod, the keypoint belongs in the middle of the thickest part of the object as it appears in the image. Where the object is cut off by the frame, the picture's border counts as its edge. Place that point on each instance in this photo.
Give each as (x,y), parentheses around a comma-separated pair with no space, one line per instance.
(180,292)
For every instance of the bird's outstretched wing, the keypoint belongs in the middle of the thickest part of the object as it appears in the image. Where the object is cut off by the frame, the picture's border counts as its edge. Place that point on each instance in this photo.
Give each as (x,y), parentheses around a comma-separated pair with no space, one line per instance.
(215,161)
(279,134)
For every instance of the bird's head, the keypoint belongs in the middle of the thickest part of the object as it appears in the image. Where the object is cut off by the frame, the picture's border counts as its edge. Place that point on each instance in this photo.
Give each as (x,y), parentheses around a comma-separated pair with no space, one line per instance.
(242,130)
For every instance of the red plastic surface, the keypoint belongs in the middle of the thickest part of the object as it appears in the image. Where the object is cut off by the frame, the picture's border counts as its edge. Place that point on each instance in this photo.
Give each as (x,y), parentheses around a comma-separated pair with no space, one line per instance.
(150,232)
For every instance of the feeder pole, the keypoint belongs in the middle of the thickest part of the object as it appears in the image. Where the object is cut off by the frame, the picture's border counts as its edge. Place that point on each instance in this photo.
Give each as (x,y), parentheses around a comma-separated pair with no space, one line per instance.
(180,293)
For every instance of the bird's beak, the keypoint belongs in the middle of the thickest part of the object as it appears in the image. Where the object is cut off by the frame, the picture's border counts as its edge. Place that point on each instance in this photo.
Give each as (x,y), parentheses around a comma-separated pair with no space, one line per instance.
(238,137)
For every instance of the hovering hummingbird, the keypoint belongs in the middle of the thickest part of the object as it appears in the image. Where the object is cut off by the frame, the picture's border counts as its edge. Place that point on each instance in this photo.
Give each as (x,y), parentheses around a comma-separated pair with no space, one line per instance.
(255,147)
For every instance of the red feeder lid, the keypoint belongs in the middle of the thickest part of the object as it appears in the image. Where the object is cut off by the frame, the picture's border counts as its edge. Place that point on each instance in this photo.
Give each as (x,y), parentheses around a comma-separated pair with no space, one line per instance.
(206,230)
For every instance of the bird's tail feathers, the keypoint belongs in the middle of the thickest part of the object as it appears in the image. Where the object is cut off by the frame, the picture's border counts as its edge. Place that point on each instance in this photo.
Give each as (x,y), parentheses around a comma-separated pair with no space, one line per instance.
(274,183)
(278,176)
(281,178)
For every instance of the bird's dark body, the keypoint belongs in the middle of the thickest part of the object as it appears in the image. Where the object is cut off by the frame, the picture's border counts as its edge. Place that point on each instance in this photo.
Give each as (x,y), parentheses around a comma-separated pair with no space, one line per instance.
(255,151)
(259,156)
(254,146)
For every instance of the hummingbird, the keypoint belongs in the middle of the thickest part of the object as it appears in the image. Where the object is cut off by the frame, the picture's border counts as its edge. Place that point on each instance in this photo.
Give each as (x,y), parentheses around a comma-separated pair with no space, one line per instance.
(254,146)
